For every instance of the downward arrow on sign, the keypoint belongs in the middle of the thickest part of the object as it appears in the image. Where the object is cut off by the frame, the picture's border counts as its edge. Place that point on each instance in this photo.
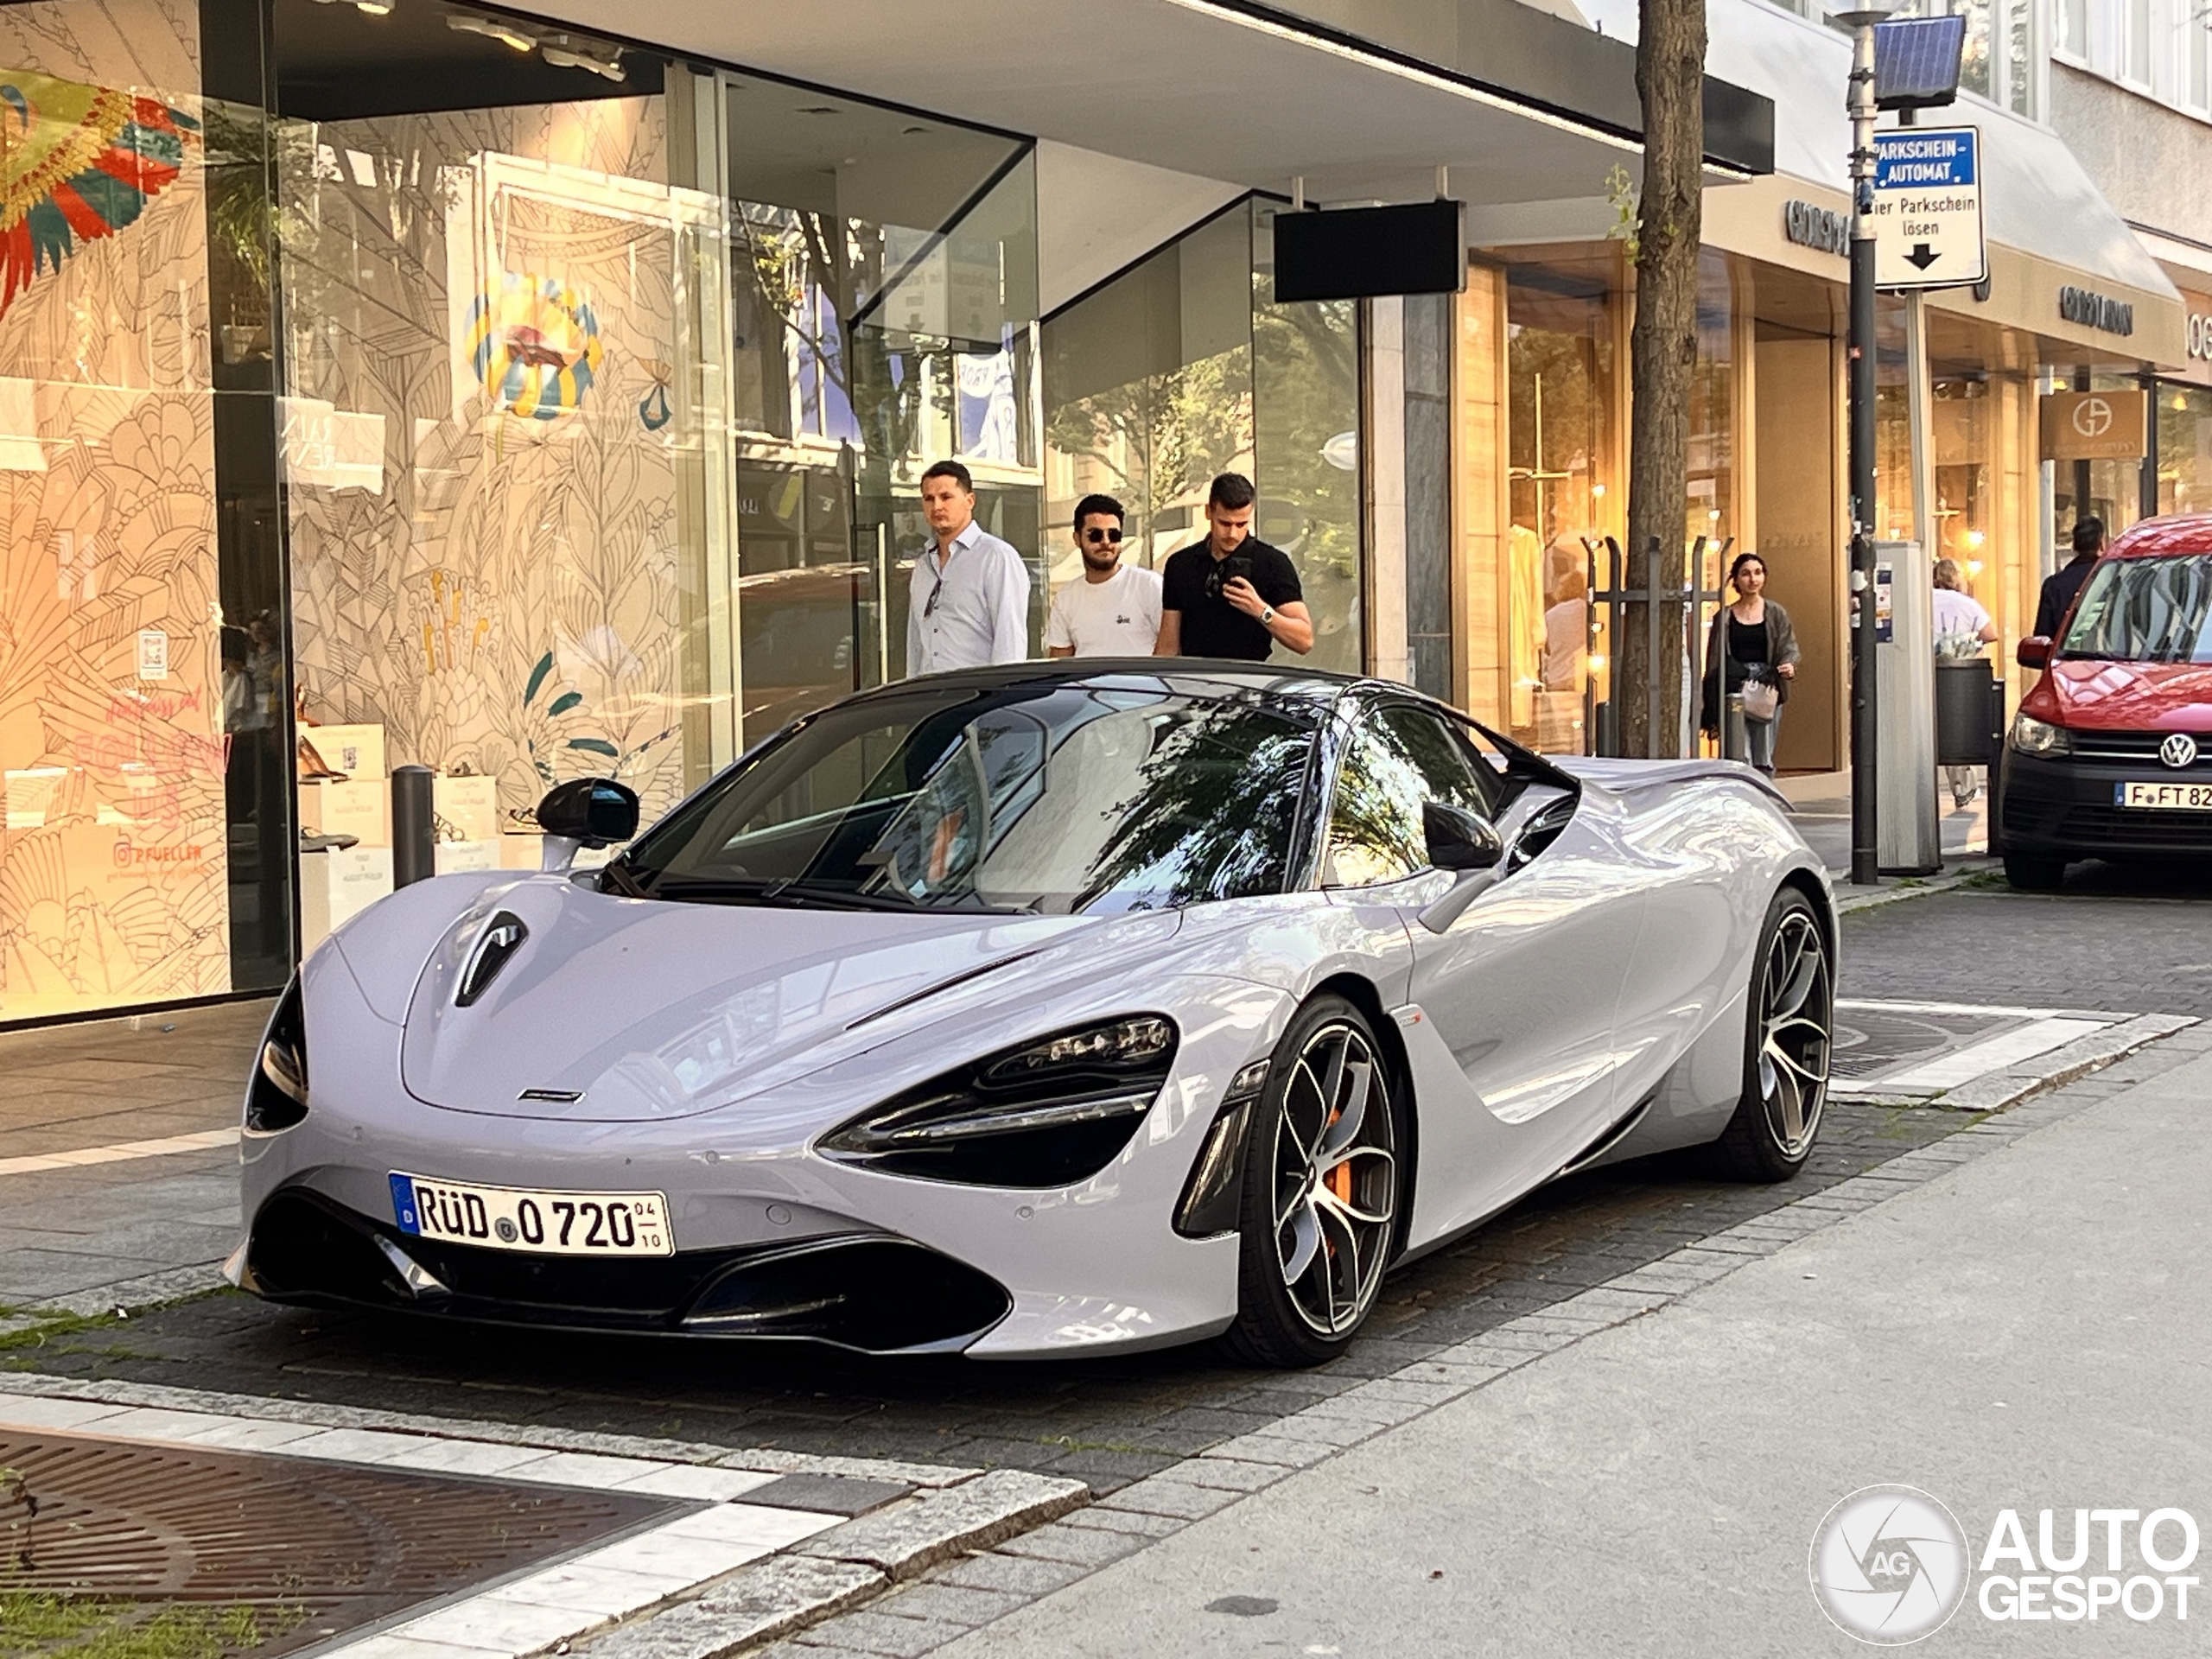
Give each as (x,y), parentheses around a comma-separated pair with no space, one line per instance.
(1921,257)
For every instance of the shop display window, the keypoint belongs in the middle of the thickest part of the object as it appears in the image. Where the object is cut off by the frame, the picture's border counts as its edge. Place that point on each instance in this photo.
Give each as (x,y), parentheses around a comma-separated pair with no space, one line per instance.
(1563,411)
(2185,449)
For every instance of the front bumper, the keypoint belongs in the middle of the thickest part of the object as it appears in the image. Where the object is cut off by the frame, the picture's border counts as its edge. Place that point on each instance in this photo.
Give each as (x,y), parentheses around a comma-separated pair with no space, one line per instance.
(2067,809)
(1020,1271)
(871,1293)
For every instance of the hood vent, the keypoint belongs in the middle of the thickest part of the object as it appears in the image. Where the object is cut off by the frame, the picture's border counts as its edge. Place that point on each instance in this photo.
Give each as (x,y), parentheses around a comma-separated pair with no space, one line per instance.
(495,946)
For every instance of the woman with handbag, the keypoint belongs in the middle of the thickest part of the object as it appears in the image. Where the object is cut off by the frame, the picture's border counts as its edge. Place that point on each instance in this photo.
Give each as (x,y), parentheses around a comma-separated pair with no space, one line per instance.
(1752,649)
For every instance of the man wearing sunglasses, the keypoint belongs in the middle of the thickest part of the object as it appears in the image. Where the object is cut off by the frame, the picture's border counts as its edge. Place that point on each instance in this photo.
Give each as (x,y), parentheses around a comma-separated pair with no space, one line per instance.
(1114,610)
(1232,595)
(969,605)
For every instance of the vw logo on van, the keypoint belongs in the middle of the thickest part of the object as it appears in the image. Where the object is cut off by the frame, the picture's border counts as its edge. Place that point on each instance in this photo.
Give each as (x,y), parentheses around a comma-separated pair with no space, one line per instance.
(2178,750)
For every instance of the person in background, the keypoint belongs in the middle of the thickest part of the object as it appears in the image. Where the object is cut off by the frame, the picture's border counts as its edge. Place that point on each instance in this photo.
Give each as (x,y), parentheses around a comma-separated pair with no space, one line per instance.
(1113,610)
(1962,629)
(969,604)
(1566,633)
(1232,595)
(2060,586)
(1751,641)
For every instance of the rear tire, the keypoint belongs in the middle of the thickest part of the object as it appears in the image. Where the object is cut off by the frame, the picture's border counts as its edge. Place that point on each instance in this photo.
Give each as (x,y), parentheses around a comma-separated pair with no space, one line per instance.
(2030,873)
(1323,1176)
(1790,1014)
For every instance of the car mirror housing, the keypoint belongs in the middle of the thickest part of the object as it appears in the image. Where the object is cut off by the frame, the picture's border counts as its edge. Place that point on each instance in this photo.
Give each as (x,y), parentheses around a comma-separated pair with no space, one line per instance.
(1459,839)
(592,812)
(2034,651)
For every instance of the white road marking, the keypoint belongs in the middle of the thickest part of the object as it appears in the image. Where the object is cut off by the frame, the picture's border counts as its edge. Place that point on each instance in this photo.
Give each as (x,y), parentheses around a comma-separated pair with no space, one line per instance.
(121,1152)
(1945,1072)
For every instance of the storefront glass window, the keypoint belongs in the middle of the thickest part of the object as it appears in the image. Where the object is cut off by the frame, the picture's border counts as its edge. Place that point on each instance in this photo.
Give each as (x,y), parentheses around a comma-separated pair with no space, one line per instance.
(1149,393)
(1185,367)
(884,280)
(1305,442)
(1562,439)
(1963,415)
(2185,449)
(1710,511)
(144,853)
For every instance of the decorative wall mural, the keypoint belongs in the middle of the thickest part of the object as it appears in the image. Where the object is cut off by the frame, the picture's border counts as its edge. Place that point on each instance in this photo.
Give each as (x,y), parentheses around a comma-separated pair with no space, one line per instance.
(534,345)
(114,855)
(77,164)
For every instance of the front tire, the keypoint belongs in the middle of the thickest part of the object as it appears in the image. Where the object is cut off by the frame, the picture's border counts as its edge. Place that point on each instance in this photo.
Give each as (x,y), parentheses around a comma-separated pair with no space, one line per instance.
(1319,1217)
(2028,874)
(1790,1015)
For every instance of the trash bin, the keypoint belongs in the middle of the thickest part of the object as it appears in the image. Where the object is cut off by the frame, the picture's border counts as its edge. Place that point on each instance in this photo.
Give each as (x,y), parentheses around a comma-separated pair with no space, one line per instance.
(1964,736)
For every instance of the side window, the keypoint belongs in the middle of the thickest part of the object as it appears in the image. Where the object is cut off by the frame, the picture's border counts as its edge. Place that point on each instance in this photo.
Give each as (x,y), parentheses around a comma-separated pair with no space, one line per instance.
(1448,767)
(1375,828)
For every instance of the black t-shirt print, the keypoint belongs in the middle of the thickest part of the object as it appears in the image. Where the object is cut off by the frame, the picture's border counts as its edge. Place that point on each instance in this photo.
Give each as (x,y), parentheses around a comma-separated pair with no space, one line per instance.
(1212,626)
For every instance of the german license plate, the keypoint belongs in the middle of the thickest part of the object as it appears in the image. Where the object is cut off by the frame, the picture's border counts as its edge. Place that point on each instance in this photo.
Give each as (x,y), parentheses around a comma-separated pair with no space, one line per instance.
(2186,797)
(541,1224)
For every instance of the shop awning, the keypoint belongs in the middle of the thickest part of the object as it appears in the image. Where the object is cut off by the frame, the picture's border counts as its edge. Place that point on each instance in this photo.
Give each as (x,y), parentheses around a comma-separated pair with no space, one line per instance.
(1534,107)
(2049,227)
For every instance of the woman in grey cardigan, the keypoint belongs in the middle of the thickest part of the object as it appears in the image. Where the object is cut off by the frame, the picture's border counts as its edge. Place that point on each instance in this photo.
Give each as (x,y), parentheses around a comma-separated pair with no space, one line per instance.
(1752,640)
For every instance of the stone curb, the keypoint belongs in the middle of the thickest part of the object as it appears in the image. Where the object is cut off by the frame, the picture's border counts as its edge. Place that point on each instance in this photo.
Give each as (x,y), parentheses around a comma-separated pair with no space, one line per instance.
(1996,1092)
(1923,886)
(759,1460)
(837,1571)
(128,1296)
(1163,1504)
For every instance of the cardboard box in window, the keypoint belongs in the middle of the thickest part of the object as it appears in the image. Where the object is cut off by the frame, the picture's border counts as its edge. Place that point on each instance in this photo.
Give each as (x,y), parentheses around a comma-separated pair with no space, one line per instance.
(467,808)
(337,885)
(361,809)
(357,751)
(455,856)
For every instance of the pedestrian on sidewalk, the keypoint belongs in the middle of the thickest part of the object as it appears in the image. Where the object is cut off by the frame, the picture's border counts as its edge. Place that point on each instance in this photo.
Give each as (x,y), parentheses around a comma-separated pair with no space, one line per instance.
(2060,586)
(970,602)
(1232,595)
(1113,610)
(1752,649)
(1963,628)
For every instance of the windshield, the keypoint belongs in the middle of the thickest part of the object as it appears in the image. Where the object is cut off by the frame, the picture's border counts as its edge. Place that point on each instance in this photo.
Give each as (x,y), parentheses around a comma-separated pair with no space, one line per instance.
(2146,611)
(1115,796)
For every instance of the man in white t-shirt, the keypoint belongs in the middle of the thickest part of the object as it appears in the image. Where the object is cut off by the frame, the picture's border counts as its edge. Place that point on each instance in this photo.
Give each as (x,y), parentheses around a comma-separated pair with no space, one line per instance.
(1114,611)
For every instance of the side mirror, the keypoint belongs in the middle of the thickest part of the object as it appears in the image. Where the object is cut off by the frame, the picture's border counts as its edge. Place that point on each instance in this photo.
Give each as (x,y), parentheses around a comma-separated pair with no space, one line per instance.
(2034,651)
(585,812)
(1459,839)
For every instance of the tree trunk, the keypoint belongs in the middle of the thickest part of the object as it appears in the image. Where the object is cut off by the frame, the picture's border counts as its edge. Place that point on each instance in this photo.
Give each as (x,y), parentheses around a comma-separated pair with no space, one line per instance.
(1663,355)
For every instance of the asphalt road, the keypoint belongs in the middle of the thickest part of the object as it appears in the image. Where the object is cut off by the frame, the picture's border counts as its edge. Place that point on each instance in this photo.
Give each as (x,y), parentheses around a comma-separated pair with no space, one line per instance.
(2134,940)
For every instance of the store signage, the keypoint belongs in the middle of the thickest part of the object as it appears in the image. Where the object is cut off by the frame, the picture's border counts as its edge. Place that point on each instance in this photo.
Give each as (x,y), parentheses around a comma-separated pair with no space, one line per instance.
(1928,208)
(2098,311)
(2200,337)
(2094,425)
(1822,229)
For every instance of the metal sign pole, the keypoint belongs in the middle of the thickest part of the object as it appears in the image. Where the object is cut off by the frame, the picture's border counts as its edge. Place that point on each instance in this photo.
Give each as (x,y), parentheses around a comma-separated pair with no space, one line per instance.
(1864,858)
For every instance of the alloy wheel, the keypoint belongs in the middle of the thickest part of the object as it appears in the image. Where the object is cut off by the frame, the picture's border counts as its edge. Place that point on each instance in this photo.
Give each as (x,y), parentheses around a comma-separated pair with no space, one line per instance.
(1796,1007)
(1335,1179)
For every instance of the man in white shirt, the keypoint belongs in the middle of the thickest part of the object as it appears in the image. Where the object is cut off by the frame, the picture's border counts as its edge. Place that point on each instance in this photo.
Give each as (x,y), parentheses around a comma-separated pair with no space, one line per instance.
(969,603)
(1114,610)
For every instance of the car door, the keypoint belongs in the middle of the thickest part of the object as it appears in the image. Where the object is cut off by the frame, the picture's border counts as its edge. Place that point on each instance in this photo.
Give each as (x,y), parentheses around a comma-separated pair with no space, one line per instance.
(1520,990)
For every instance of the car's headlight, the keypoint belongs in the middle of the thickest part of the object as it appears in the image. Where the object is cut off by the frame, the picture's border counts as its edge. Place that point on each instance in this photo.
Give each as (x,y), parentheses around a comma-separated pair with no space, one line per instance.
(2033,736)
(1049,1113)
(276,1095)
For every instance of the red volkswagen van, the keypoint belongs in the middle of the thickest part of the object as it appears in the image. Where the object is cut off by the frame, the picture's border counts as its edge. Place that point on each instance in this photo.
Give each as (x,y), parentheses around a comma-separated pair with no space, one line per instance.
(2110,755)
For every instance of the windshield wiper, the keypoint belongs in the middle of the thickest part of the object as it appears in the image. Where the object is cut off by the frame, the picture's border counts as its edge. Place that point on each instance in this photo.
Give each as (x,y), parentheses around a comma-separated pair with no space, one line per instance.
(788,892)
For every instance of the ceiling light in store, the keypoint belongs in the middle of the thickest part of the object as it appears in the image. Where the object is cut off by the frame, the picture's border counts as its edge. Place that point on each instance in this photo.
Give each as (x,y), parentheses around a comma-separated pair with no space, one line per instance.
(562,52)
(492,29)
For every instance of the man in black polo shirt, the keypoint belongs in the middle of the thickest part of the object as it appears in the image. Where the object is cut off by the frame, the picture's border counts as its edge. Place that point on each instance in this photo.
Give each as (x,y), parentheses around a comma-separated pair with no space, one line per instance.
(1232,595)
